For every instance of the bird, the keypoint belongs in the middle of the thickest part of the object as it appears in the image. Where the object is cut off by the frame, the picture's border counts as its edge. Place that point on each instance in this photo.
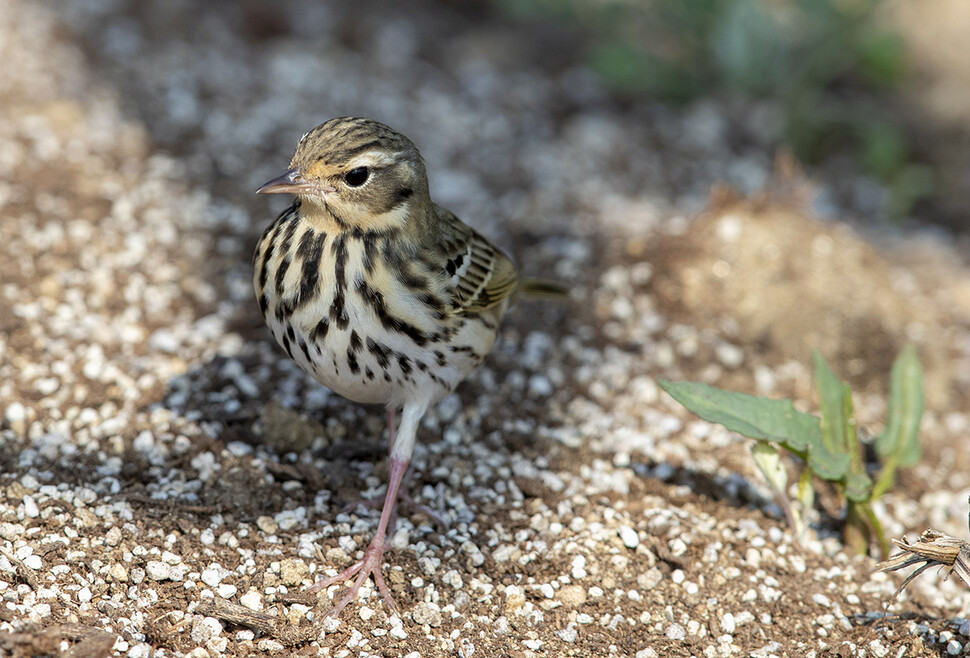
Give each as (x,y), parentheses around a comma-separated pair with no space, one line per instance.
(381,295)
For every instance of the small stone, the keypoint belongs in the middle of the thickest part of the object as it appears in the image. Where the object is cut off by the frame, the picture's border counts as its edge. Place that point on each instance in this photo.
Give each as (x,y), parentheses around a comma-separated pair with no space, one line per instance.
(540,386)
(727,623)
(426,613)
(31,511)
(629,536)
(366,613)
(252,600)
(157,570)
(33,562)
(568,634)
(513,599)
(729,355)
(676,632)
(15,413)
(453,578)
(211,576)
(11,531)
(268,525)
(649,579)
(292,572)
(226,591)
(113,536)
(572,596)
(169,557)
(270,646)
(84,595)
(205,628)
(118,573)
(207,537)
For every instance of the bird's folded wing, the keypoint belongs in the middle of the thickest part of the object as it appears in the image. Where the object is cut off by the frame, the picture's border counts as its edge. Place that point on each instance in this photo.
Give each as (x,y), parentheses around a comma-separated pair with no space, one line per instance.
(481,276)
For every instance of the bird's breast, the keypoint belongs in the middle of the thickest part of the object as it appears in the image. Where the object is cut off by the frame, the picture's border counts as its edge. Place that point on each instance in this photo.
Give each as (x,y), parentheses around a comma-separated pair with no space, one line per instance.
(365,319)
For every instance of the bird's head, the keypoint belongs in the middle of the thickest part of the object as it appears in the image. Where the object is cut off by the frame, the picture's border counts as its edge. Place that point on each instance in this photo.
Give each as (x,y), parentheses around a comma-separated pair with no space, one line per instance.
(355,173)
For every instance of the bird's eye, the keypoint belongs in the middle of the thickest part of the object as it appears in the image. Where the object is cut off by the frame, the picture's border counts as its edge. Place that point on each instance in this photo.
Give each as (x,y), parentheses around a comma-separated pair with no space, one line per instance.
(357,176)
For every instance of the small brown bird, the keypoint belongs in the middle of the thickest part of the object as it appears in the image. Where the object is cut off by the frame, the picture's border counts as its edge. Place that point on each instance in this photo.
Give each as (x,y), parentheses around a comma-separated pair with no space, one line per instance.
(377,292)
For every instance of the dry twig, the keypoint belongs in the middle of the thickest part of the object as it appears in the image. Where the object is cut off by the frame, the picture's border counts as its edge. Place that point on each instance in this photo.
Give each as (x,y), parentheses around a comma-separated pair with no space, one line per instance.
(933,548)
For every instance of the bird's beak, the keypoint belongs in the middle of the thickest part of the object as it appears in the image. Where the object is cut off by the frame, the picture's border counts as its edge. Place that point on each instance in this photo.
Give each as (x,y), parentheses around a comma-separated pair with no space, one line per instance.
(292,182)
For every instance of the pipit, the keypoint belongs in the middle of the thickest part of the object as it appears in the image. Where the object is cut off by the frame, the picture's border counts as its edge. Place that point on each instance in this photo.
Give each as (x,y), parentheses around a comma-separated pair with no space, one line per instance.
(380,294)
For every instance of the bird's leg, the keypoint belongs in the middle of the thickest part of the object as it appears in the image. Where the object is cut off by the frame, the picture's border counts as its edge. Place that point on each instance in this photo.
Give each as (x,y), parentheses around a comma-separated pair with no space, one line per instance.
(402,446)
(403,495)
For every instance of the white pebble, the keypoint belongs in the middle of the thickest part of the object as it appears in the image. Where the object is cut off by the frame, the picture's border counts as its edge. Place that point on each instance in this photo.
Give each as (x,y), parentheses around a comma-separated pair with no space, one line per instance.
(540,386)
(211,577)
(205,629)
(140,651)
(33,562)
(47,385)
(164,340)
(226,591)
(629,536)
(729,355)
(170,558)
(157,570)
(453,578)
(579,567)
(252,600)
(31,510)
(676,632)
(270,646)
(15,413)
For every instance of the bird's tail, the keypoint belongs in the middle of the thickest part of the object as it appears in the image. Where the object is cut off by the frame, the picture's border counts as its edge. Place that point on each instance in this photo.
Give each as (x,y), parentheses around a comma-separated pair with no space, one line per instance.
(540,288)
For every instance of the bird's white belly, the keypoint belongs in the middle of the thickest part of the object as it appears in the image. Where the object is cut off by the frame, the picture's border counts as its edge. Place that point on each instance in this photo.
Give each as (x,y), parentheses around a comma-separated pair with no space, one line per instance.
(367,364)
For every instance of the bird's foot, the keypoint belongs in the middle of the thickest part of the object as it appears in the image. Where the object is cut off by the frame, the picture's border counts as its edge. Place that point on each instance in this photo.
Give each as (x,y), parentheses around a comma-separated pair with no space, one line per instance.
(370,566)
(404,498)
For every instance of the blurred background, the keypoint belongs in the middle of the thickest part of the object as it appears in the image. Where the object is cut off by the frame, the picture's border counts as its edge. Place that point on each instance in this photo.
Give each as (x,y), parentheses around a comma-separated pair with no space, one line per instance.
(870,95)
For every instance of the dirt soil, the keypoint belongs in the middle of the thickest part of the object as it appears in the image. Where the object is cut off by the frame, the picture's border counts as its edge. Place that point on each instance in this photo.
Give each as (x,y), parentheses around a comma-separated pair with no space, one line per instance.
(170,483)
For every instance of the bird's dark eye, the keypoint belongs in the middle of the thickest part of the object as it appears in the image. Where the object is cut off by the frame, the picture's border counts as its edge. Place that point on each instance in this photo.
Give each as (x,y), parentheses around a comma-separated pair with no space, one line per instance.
(357,176)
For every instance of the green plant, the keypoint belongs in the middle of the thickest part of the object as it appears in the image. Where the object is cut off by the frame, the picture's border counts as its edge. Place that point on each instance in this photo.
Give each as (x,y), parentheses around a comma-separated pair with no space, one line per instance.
(828,444)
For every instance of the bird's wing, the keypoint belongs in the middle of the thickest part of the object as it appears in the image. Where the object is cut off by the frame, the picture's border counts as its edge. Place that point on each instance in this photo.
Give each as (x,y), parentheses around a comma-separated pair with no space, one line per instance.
(480,275)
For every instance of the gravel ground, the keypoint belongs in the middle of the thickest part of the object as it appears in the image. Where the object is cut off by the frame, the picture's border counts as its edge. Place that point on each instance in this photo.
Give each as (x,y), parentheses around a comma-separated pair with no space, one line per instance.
(171,482)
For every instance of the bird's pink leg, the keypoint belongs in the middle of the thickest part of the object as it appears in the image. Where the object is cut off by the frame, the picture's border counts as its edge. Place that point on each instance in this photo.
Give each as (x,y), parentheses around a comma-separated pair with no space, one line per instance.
(403,495)
(370,566)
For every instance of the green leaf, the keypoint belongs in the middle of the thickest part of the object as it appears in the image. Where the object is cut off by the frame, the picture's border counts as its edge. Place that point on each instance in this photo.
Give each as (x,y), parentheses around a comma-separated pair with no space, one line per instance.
(762,419)
(900,439)
(858,487)
(831,397)
(838,430)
